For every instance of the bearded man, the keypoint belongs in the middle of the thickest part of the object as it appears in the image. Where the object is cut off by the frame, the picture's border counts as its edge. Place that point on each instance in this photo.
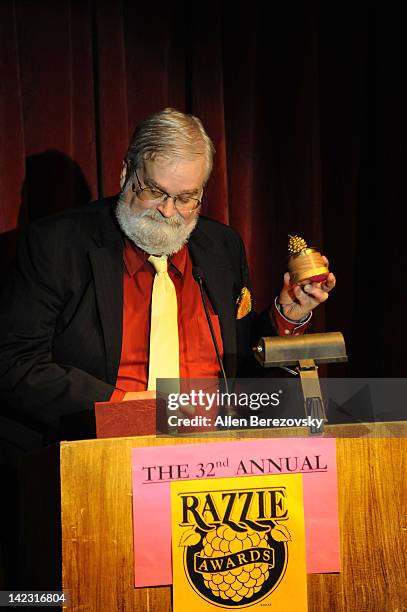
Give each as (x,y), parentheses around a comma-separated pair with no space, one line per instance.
(78,323)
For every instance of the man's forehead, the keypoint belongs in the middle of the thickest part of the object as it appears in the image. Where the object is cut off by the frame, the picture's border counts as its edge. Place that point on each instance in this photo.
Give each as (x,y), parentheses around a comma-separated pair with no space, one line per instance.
(177,174)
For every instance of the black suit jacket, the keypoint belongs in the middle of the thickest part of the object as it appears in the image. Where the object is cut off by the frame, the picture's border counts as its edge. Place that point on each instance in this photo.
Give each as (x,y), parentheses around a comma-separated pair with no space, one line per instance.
(61,312)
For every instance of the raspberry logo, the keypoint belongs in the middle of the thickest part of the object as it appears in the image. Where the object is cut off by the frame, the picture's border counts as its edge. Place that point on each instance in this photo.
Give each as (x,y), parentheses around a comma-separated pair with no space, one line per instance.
(235,563)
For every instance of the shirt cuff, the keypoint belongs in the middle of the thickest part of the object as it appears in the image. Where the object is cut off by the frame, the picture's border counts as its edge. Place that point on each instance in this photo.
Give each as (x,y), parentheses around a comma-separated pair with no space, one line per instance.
(288,327)
(117,395)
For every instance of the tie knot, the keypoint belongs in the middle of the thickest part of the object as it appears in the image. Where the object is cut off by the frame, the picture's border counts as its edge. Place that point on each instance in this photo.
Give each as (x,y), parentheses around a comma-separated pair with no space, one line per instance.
(160,263)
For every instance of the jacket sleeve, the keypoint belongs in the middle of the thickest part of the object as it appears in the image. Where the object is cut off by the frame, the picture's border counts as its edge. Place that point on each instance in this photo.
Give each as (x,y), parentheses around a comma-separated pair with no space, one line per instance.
(33,386)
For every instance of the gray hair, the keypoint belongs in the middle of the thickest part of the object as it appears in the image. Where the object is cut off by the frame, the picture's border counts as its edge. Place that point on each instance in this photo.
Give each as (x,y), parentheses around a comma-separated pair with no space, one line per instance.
(172,134)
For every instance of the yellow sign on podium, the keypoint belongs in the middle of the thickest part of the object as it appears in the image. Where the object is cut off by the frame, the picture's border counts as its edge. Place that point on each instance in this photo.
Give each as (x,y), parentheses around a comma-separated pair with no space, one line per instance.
(239,543)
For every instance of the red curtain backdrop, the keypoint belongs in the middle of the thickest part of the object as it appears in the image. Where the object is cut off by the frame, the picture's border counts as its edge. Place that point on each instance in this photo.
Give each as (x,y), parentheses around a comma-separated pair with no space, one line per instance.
(304,102)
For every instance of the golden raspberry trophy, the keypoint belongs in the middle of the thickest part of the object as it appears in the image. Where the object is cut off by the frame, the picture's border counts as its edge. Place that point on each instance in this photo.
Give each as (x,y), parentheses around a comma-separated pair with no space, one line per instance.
(305,263)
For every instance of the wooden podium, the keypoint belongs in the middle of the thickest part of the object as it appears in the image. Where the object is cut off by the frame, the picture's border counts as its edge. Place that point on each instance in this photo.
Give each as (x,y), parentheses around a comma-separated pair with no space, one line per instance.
(96,538)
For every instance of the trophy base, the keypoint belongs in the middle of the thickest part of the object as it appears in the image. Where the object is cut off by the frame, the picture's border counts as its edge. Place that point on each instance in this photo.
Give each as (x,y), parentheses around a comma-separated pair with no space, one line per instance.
(312,276)
(319,277)
(307,265)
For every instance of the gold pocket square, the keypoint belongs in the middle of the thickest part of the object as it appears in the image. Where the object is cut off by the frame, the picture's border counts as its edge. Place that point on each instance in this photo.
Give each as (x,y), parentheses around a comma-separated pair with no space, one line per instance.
(244,303)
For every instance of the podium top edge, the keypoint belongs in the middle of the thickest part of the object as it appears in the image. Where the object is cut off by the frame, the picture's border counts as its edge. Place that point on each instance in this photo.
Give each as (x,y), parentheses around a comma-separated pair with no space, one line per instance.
(385,429)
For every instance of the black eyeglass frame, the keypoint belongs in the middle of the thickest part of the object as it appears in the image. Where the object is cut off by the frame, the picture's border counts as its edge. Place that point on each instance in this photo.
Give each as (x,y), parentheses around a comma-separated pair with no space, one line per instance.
(166,196)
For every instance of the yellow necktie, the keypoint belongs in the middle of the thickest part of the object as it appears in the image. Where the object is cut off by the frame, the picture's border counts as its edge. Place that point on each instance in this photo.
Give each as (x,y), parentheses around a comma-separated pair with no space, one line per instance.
(164,342)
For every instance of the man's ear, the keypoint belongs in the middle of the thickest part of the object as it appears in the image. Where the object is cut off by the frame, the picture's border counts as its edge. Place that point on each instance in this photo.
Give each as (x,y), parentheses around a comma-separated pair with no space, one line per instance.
(123,174)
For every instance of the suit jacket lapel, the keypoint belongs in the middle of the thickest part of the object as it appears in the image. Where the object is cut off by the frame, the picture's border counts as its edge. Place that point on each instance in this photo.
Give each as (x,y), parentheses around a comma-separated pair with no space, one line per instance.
(218,282)
(107,265)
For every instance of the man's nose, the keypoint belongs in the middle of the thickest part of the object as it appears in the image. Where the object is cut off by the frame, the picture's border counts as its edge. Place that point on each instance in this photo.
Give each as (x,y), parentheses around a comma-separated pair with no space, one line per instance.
(167,208)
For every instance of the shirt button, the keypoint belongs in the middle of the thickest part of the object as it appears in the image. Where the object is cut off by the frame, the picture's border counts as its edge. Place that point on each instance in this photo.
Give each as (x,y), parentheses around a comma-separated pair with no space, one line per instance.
(286,331)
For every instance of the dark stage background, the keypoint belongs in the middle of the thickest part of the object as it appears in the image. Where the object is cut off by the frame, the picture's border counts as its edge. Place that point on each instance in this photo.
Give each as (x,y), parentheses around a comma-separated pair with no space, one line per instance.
(304,101)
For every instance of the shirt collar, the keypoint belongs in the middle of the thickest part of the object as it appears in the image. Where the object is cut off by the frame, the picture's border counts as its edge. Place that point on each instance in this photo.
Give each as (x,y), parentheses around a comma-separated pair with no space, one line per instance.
(135,258)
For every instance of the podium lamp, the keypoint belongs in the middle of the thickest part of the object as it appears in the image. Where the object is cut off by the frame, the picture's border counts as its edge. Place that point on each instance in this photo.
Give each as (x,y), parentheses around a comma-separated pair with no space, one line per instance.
(305,353)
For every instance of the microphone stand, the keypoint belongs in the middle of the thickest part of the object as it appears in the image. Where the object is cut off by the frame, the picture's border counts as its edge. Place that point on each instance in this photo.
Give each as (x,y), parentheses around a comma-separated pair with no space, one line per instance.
(199,277)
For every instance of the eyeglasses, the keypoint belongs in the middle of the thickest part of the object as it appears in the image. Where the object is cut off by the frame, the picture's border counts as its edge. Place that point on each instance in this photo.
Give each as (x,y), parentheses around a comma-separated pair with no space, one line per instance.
(153,197)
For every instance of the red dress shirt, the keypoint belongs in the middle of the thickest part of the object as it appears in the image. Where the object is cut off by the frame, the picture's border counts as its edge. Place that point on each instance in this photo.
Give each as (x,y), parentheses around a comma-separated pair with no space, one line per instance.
(197,356)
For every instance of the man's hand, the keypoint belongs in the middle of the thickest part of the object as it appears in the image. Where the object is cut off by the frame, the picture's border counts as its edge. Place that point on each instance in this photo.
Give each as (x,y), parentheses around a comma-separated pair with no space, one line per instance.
(298,300)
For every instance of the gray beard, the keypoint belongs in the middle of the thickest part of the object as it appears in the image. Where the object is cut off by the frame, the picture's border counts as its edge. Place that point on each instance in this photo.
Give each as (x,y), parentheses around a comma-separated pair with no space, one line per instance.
(151,232)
